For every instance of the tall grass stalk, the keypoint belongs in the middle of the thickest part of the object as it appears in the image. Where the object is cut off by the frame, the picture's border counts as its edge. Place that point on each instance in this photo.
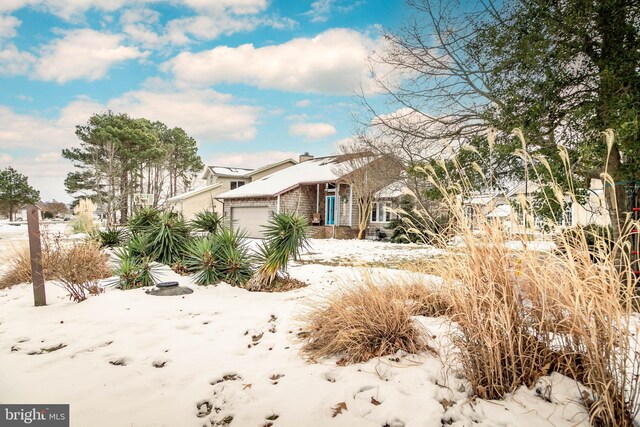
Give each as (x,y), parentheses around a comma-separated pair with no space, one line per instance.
(521,314)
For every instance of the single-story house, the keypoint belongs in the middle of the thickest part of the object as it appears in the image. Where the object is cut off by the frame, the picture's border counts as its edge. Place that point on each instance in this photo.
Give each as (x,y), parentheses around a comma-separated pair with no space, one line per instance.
(216,180)
(312,188)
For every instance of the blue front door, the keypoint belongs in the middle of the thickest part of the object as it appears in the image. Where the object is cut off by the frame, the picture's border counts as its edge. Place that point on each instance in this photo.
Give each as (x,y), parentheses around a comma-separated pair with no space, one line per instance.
(329,210)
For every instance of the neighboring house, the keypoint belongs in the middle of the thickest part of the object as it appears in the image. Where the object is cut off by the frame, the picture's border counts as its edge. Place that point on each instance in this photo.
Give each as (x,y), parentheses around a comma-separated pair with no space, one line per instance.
(21,213)
(498,206)
(311,188)
(216,180)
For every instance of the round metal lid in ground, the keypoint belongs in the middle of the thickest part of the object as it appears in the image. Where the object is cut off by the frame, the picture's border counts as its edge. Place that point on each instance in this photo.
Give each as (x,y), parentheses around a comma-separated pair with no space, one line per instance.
(169,289)
(167,284)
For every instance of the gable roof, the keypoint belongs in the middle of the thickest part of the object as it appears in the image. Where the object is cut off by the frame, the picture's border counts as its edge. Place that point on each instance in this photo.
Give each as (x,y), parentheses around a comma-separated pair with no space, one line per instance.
(194,192)
(229,171)
(271,165)
(316,171)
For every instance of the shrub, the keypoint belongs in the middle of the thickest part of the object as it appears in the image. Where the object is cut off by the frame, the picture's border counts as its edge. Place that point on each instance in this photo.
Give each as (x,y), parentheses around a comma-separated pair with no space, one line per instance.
(362,322)
(167,238)
(48,215)
(202,259)
(233,257)
(522,314)
(77,266)
(143,219)
(112,237)
(285,237)
(79,269)
(222,256)
(207,221)
(84,217)
(134,270)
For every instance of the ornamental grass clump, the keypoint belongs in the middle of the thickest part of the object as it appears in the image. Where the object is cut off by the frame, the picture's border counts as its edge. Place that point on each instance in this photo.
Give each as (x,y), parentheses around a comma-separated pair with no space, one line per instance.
(521,312)
(285,238)
(358,322)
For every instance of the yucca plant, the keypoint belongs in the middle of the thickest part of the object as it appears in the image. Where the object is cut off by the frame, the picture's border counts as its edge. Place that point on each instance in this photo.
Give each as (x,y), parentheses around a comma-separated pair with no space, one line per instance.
(112,237)
(233,257)
(201,258)
(207,221)
(134,270)
(167,238)
(285,238)
(144,218)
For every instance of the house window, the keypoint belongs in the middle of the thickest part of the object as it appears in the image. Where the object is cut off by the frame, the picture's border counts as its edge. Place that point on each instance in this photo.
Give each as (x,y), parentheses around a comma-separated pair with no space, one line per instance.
(381,212)
(236,184)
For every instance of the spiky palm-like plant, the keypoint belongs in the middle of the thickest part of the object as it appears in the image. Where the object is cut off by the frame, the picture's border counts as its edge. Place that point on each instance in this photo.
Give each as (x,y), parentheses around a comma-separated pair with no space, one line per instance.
(285,237)
(144,218)
(135,269)
(112,237)
(207,221)
(168,238)
(233,257)
(201,258)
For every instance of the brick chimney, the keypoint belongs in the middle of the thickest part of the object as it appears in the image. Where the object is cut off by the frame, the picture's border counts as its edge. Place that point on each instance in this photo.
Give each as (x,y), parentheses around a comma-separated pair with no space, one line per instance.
(304,157)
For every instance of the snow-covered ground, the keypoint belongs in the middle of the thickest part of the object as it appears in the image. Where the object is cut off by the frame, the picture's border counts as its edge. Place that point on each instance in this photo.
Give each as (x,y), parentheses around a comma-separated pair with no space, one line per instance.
(224,355)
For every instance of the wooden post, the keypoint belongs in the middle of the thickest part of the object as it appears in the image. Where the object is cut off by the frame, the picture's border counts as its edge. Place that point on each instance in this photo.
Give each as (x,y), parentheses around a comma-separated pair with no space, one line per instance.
(35,251)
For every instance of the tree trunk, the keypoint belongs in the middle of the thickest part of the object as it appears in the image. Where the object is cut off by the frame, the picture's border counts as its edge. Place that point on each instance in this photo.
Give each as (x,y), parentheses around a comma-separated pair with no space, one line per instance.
(616,196)
(124,202)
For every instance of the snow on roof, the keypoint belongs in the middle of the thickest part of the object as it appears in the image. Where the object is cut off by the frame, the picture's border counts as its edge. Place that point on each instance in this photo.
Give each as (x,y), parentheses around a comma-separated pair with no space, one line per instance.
(522,188)
(194,192)
(229,171)
(480,199)
(500,211)
(271,165)
(393,190)
(310,172)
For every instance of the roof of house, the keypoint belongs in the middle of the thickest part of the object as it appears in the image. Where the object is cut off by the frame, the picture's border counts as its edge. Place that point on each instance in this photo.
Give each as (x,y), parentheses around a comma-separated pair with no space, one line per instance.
(393,190)
(271,165)
(194,192)
(318,170)
(229,171)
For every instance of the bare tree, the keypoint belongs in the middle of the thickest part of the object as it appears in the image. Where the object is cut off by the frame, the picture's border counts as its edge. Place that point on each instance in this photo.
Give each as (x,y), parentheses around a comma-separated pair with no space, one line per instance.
(366,173)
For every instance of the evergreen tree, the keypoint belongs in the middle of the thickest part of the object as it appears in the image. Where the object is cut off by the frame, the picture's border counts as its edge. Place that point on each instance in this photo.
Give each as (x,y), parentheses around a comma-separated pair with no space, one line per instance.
(15,190)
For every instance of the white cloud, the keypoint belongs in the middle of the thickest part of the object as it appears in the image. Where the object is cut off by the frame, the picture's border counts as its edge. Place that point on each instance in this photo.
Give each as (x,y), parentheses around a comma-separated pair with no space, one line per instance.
(303,103)
(74,9)
(143,26)
(8,26)
(249,159)
(235,6)
(333,62)
(312,130)
(83,54)
(321,10)
(15,62)
(204,114)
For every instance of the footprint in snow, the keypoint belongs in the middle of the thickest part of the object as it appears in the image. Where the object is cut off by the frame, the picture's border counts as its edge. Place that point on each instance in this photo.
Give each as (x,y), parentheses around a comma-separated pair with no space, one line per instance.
(227,377)
(118,362)
(159,363)
(330,376)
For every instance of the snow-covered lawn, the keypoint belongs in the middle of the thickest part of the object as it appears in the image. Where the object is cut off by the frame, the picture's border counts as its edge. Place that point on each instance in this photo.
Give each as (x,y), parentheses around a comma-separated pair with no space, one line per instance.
(224,355)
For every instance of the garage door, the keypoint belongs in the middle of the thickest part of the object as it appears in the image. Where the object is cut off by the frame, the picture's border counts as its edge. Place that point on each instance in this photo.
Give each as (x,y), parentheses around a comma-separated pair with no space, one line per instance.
(250,219)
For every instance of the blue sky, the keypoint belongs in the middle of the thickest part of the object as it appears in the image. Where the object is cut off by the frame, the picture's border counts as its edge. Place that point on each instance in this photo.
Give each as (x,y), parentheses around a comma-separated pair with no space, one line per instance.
(253,81)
